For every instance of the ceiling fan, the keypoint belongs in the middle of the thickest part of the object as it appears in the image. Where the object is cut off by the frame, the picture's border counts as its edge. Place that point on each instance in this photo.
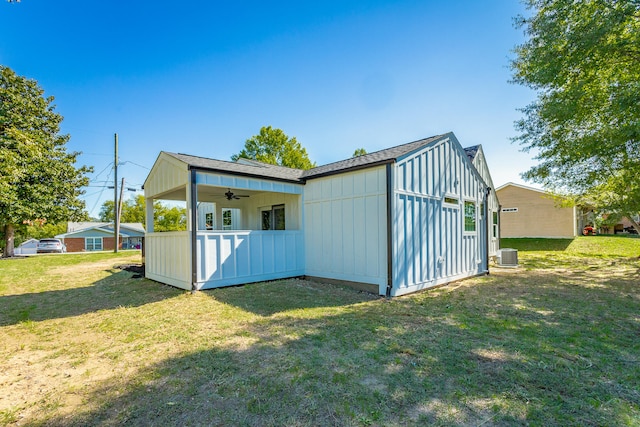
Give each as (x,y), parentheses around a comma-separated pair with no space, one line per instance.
(230,195)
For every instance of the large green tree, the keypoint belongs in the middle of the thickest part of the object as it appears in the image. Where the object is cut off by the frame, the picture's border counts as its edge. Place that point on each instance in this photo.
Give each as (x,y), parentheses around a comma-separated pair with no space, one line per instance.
(583,59)
(273,146)
(38,178)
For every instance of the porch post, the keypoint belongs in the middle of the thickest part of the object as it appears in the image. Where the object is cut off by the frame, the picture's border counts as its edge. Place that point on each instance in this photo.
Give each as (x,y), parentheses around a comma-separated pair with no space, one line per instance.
(192,221)
(149,215)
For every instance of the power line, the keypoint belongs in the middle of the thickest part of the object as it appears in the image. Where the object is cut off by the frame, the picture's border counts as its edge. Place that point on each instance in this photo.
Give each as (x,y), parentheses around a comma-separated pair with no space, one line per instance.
(102,171)
(135,164)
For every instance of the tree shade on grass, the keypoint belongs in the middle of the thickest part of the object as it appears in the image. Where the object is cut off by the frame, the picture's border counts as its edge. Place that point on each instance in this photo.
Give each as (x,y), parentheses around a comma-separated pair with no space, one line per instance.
(552,343)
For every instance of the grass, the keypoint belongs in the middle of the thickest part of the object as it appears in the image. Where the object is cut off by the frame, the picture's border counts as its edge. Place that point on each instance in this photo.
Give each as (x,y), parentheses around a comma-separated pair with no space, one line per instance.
(556,342)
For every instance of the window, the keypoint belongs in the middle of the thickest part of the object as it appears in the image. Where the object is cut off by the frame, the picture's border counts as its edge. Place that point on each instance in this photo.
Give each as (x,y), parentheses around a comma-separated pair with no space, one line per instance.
(509,209)
(272,218)
(495,224)
(226,219)
(451,200)
(469,216)
(93,243)
(208,221)
(230,219)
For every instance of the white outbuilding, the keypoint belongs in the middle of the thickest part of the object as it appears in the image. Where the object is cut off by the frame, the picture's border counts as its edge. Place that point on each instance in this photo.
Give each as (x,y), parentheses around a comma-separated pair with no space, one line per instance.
(393,222)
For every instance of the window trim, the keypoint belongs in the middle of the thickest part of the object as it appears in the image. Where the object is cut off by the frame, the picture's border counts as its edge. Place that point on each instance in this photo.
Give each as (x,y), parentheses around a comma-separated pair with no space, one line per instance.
(209,225)
(224,218)
(272,217)
(451,201)
(93,244)
(475,217)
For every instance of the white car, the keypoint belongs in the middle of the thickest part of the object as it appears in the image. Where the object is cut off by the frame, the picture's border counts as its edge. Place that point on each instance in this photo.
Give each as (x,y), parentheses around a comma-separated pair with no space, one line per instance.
(47,246)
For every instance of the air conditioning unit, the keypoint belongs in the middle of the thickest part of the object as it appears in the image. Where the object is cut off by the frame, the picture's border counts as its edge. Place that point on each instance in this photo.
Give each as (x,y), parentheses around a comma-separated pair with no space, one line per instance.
(508,257)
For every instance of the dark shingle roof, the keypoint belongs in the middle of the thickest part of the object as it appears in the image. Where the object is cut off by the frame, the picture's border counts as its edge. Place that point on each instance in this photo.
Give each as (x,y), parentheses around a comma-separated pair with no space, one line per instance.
(263,170)
(379,157)
(471,152)
(256,169)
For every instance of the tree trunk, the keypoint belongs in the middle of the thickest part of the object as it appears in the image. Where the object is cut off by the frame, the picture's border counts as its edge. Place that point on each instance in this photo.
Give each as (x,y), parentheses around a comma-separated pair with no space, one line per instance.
(635,224)
(9,234)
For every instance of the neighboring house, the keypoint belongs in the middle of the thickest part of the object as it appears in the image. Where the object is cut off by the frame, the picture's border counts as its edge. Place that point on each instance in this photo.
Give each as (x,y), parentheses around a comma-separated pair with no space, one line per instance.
(392,222)
(28,247)
(99,236)
(530,212)
(625,226)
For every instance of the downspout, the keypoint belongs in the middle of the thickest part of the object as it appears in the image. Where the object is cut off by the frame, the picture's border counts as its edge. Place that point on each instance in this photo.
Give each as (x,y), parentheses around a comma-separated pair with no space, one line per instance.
(194,228)
(389,232)
(486,227)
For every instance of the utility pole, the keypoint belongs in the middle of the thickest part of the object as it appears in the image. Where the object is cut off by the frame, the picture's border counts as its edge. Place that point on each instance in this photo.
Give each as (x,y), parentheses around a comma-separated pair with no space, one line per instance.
(116,213)
(119,213)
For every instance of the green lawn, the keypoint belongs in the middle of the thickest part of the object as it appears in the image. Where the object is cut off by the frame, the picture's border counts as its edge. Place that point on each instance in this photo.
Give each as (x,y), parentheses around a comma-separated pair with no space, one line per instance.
(555,342)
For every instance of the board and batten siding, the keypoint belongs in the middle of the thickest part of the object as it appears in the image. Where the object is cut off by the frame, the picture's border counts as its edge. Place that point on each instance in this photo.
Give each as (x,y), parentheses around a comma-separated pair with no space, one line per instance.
(236,257)
(345,227)
(430,245)
(166,175)
(493,206)
(167,258)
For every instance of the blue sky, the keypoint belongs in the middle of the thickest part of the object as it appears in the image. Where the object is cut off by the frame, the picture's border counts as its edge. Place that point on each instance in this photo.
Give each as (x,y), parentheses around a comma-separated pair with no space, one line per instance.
(201,77)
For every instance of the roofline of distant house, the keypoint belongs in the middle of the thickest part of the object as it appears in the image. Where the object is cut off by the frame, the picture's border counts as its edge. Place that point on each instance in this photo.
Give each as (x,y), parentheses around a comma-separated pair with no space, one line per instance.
(521,186)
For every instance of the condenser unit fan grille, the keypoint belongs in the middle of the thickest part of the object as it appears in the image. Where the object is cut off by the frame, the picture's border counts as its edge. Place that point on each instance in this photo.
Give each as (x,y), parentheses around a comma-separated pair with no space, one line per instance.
(509,257)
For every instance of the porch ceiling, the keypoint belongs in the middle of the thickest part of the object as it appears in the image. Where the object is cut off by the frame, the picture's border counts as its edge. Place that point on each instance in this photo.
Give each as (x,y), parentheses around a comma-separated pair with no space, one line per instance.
(209,193)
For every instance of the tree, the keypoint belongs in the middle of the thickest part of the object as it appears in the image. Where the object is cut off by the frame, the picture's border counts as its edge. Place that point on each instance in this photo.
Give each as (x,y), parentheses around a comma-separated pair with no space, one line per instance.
(46,230)
(583,59)
(169,219)
(273,146)
(610,202)
(134,210)
(359,152)
(38,179)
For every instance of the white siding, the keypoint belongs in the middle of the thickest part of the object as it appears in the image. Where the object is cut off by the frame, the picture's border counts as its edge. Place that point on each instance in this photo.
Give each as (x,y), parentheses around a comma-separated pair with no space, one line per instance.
(430,245)
(235,257)
(345,227)
(167,174)
(167,258)
(480,163)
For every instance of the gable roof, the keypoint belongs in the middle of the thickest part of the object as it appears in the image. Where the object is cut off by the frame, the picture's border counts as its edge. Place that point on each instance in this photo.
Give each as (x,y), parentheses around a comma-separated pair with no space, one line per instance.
(513,184)
(381,157)
(253,168)
(256,169)
(77,227)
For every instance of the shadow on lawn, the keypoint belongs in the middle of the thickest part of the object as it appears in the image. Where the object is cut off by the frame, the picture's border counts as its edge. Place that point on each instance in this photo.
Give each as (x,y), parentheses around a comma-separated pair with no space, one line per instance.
(265,298)
(526,244)
(521,356)
(117,290)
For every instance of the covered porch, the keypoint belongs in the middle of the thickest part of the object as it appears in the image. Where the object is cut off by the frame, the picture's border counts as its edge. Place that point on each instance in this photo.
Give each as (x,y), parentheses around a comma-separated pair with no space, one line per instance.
(240,228)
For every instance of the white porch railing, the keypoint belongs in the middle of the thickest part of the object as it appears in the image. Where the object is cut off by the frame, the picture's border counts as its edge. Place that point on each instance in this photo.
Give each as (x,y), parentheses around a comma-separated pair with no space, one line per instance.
(235,257)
